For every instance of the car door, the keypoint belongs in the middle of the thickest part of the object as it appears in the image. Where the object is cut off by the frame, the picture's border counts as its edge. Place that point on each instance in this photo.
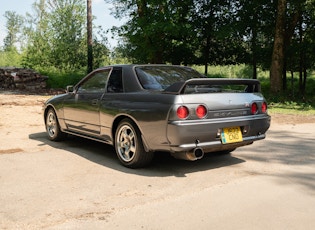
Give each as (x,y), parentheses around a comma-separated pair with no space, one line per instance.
(112,102)
(82,108)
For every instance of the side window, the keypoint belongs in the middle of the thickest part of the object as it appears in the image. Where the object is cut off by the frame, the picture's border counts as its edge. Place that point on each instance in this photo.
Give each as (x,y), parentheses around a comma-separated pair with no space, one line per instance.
(115,84)
(95,83)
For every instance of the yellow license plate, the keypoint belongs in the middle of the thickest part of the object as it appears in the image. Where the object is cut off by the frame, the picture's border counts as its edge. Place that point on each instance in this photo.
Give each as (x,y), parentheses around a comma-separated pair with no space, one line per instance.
(231,135)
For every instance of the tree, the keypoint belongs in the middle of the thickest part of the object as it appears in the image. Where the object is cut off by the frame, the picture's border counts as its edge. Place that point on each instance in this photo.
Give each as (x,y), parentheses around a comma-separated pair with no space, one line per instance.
(57,36)
(100,50)
(300,52)
(252,23)
(157,31)
(210,20)
(67,24)
(277,61)
(37,34)
(179,32)
(288,16)
(14,27)
(213,32)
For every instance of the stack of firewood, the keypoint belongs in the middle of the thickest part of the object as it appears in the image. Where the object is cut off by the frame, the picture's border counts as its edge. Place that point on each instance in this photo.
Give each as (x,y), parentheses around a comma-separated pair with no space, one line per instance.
(21,79)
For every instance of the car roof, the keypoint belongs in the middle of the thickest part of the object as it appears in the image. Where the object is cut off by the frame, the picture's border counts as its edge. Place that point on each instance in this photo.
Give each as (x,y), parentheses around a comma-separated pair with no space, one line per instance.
(129,66)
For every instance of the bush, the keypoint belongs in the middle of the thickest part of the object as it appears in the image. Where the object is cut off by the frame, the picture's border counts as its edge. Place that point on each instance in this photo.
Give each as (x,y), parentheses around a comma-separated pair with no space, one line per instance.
(59,79)
(10,58)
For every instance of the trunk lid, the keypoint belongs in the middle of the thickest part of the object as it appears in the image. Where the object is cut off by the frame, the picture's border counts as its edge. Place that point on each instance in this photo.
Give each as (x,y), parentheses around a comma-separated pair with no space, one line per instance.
(222,97)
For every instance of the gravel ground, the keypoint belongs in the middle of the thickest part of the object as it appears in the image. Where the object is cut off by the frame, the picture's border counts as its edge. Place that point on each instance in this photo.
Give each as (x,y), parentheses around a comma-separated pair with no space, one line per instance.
(79,184)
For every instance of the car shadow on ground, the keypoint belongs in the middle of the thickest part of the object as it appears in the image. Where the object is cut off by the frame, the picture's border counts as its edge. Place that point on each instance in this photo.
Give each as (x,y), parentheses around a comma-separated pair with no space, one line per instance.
(295,150)
(163,164)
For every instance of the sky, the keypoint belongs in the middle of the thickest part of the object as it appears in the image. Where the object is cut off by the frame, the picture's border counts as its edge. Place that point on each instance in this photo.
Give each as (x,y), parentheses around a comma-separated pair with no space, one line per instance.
(100,10)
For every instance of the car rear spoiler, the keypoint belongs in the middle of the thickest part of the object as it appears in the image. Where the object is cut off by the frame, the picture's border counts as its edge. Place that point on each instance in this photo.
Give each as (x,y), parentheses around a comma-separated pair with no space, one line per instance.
(252,85)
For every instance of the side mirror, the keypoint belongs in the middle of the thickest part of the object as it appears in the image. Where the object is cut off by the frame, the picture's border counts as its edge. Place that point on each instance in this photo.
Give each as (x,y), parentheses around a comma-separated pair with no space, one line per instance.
(70,89)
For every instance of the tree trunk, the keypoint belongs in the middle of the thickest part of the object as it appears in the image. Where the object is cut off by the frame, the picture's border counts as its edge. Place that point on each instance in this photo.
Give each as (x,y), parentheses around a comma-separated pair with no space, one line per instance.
(89,35)
(284,73)
(292,83)
(278,50)
(207,55)
(304,80)
(254,61)
(302,68)
(289,31)
(254,67)
(254,44)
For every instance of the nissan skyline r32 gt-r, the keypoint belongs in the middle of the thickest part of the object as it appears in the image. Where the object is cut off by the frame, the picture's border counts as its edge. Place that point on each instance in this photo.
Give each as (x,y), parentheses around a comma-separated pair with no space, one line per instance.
(142,109)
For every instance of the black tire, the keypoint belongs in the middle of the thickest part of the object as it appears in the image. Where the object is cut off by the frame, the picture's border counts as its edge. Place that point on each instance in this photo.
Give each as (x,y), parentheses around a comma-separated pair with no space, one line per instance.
(129,147)
(52,127)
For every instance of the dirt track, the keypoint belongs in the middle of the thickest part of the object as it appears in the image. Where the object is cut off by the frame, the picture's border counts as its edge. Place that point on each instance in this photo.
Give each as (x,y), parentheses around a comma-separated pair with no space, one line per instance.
(79,184)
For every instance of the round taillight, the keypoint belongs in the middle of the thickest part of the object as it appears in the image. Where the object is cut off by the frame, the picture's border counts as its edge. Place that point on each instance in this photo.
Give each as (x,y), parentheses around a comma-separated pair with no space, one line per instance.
(264,107)
(201,111)
(182,112)
(254,108)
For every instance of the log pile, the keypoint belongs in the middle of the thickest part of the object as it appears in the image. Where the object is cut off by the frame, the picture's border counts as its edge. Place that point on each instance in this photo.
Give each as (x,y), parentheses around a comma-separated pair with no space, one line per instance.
(12,78)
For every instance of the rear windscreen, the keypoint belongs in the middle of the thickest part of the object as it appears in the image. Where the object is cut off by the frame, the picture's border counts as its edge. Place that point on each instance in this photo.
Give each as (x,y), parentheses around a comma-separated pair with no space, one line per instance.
(161,77)
(184,80)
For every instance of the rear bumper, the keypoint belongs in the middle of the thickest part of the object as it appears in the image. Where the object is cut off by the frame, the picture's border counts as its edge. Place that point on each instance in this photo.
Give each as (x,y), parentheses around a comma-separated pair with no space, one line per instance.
(187,135)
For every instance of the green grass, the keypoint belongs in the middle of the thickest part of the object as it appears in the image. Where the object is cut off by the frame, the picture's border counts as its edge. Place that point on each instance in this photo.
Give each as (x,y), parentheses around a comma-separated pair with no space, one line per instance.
(231,71)
(292,108)
(58,80)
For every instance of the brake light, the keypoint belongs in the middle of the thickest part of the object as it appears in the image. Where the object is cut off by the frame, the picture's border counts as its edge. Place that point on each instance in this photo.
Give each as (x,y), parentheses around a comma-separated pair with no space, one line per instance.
(201,111)
(254,108)
(182,112)
(264,107)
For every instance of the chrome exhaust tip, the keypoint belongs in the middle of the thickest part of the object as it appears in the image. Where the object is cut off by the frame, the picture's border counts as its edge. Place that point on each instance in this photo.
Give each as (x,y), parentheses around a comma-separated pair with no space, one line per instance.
(193,155)
(198,152)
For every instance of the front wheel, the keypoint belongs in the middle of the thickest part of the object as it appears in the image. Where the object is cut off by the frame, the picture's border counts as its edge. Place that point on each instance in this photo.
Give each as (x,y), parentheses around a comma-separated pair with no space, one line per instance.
(53,127)
(129,147)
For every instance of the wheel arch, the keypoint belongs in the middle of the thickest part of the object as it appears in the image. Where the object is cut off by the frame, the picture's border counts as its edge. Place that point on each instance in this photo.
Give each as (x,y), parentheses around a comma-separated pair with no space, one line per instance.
(47,108)
(55,132)
(58,114)
(116,122)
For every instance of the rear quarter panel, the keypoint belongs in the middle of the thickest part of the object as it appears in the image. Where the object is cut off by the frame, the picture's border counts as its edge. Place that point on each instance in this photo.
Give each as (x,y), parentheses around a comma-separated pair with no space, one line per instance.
(149,111)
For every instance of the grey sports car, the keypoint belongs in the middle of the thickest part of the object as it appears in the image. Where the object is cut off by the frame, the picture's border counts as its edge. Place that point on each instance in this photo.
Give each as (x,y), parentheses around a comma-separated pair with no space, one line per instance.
(142,109)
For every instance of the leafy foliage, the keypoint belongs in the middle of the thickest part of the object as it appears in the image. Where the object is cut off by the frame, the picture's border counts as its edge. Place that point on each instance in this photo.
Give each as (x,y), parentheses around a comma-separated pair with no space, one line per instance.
(10,58)
(59,31)
(14,24)
(188,32)
(213,32)
(60,79)
(57,38)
